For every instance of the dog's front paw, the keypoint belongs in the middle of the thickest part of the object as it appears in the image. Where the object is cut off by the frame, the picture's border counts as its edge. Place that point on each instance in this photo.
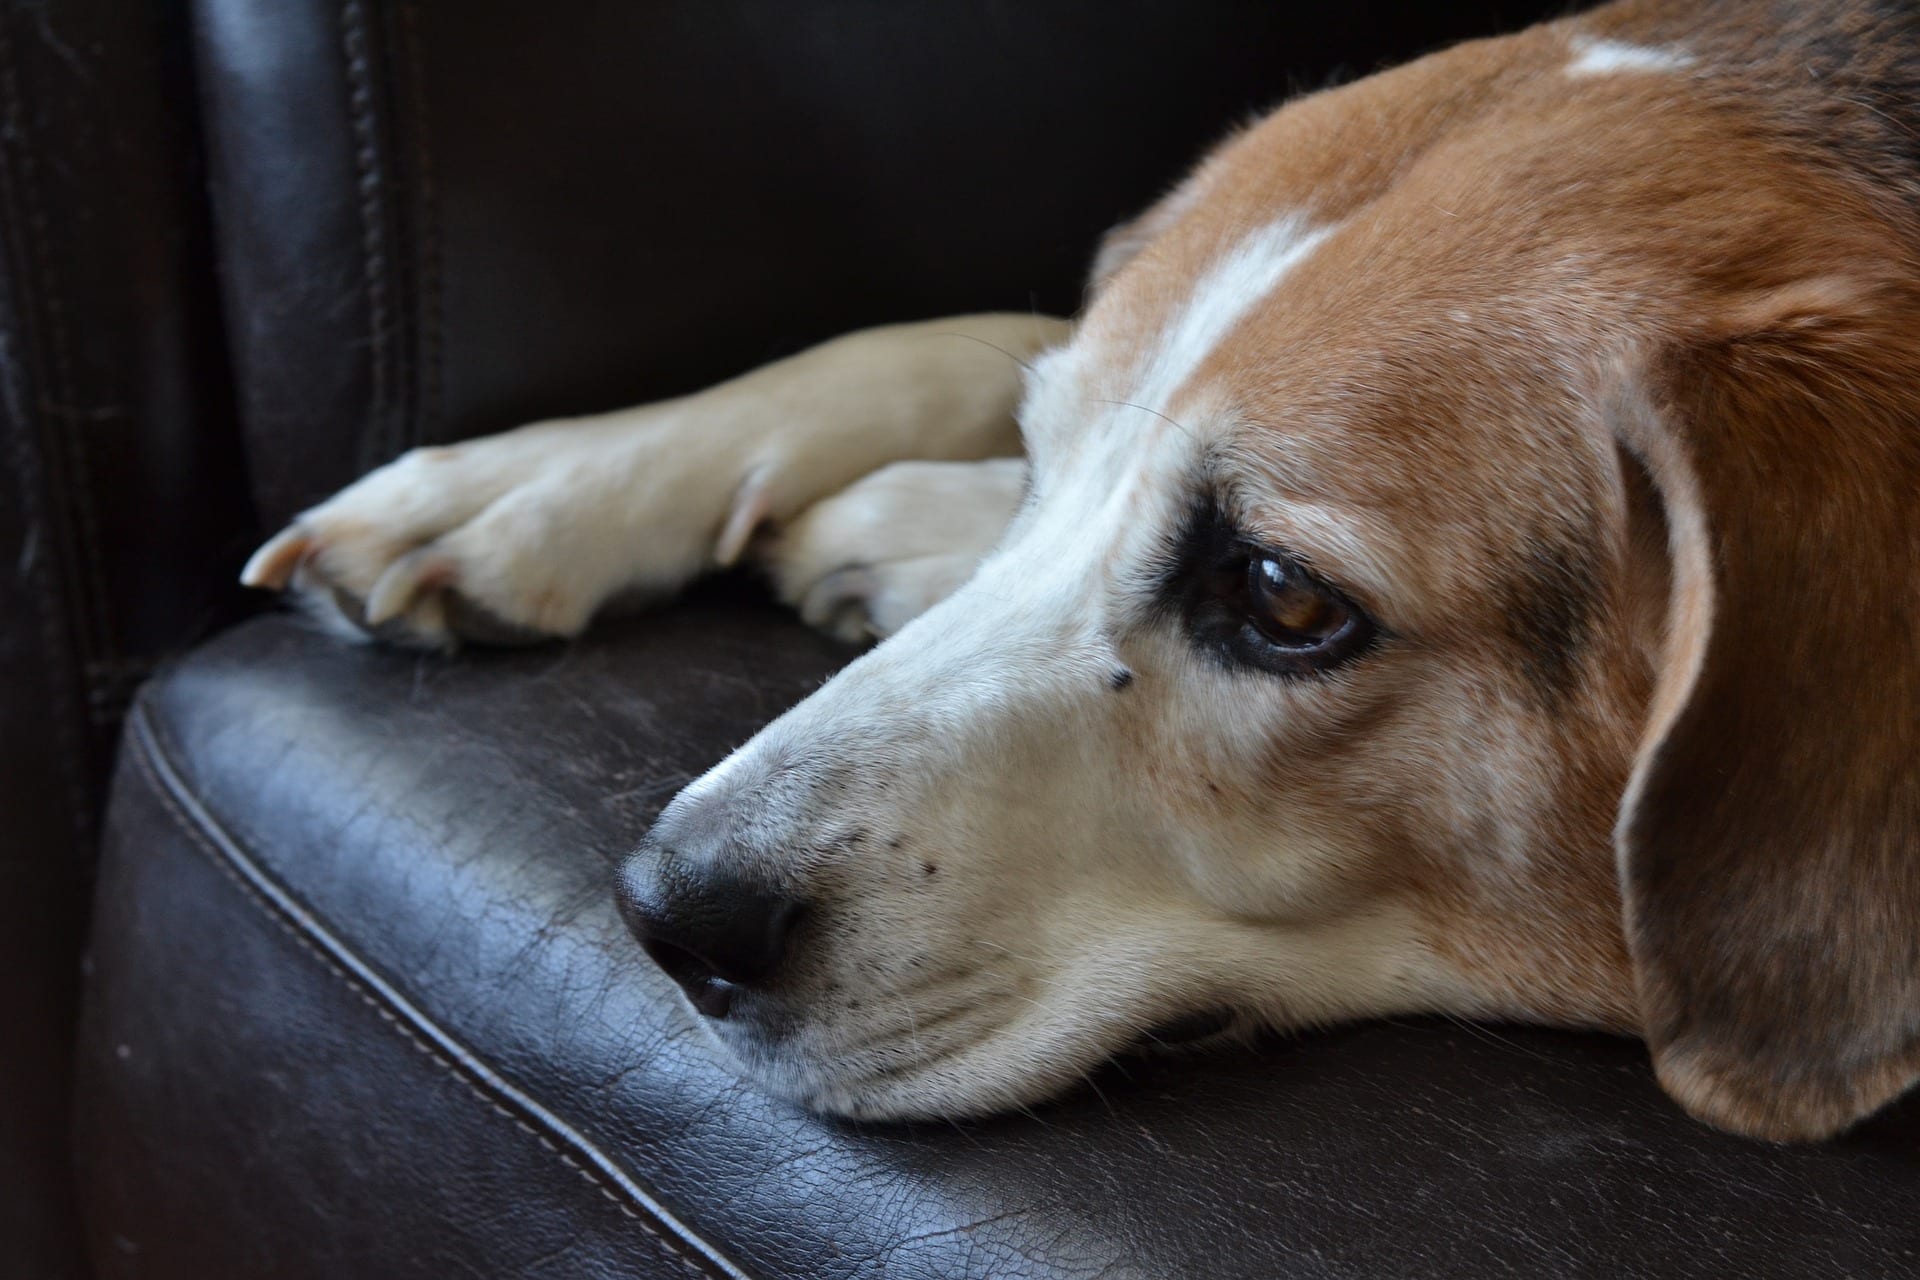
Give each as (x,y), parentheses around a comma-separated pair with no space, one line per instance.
(511,538)
(442,543)
(868,560)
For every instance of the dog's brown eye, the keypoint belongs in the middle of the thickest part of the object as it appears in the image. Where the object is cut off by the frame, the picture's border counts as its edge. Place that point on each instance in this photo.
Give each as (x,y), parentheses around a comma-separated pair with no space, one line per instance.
(1289,608)
(1290,622)
(1256,606)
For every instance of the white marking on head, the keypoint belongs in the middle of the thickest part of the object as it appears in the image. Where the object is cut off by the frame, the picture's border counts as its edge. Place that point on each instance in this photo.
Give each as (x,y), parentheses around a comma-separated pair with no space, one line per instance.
(1233,287)
(1603,57)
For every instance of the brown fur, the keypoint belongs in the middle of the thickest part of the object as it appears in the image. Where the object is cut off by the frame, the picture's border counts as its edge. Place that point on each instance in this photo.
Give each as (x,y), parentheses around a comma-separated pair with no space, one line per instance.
(1563,314)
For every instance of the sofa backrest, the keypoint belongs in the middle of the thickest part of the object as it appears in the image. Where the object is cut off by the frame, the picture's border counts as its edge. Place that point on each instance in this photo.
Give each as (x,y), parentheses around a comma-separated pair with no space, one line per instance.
(445,217)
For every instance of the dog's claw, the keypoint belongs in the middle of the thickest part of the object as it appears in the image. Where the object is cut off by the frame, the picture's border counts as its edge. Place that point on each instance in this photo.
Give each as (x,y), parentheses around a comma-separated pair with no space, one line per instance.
(752,507)
(403,582)
(272,567)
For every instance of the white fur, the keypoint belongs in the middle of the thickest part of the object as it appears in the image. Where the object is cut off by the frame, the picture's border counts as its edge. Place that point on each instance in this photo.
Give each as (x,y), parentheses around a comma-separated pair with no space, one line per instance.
(1595,57)
(1011,901)
(1220,300)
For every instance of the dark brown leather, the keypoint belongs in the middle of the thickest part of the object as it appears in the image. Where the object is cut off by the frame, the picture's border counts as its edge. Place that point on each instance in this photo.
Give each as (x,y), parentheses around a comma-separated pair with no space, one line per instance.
(121,507)
(444,217)
(365,1007)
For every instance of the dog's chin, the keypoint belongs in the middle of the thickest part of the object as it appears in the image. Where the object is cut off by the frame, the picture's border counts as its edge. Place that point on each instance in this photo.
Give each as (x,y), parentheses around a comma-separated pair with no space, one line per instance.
(979,1079)
(1000,1070)
(934,1091)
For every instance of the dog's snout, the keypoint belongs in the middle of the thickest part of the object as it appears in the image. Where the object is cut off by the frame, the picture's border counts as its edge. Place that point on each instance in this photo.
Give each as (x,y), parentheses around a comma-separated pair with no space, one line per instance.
(712,933)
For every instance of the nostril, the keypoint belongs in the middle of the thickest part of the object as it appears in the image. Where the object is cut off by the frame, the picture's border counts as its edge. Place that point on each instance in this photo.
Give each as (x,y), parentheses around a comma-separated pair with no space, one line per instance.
(712,933)
(711,994)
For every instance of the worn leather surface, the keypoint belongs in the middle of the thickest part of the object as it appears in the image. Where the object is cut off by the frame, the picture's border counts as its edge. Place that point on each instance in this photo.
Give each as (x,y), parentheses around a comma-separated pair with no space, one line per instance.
(121,510)
(444,217)
(450,827)
(356,1148)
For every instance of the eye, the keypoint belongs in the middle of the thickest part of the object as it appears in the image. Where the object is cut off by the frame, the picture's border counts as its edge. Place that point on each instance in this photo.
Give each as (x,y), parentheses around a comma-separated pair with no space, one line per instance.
(1291,610)
(1291,623)
(1262,608)
(1256,606)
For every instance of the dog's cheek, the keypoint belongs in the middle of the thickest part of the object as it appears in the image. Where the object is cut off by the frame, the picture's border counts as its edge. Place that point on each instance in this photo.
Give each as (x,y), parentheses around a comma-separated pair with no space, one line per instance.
(1502,844)
(1270,798)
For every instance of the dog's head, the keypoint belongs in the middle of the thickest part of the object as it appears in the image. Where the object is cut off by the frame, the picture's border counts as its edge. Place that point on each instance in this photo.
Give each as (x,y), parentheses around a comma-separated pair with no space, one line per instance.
(1469,565)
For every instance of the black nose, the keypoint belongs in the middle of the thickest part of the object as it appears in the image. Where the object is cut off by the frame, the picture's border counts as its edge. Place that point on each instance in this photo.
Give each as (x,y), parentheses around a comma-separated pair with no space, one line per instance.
(713,934)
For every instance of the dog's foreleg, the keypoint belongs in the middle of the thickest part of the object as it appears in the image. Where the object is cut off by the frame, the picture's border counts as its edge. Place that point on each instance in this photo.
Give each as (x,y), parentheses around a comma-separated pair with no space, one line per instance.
(529,533)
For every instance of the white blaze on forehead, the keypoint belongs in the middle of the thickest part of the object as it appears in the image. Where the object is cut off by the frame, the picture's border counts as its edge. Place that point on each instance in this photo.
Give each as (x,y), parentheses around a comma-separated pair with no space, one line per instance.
(1603,57)
(1221,298)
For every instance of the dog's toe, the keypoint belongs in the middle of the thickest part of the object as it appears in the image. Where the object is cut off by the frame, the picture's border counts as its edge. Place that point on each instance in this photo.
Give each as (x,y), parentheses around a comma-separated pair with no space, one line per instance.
(839,604)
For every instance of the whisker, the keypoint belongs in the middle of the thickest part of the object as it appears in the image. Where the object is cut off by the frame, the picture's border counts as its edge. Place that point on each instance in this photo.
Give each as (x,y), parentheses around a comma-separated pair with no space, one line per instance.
(964,1132)
(1009,952)
(1101,1094)
(913,1026)
(954,333)
(1182,428)
(1885,115)
(1488,1034)
(934,982)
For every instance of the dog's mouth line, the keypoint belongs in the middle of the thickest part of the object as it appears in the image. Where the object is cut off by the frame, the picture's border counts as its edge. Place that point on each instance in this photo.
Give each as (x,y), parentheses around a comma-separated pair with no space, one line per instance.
(893,1073)
(1189,1031)
(1185,1031)
(860,1094)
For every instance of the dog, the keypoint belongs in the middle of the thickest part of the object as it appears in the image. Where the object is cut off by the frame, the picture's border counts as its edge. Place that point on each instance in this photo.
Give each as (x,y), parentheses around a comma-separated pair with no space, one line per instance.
(1464,558)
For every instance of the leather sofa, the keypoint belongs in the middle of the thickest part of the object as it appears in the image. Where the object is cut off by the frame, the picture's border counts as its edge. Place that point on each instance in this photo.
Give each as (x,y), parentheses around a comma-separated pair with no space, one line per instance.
(357,1000)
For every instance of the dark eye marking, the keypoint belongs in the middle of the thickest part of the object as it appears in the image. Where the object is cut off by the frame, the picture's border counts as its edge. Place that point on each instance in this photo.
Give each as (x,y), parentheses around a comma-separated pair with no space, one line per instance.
(1550,606)
(1257,606)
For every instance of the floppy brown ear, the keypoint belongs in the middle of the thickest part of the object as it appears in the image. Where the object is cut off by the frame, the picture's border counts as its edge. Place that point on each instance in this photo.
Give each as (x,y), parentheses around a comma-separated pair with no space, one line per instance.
(1769,840)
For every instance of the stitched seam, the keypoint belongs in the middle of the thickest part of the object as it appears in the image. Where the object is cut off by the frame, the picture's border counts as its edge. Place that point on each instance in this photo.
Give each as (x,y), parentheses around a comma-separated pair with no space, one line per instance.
(214,844)
(430,366)
(386,117)
(148,758)
(377,444)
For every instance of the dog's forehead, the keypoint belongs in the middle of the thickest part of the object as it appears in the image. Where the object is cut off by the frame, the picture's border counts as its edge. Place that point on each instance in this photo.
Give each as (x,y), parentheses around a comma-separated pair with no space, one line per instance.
(1372,434)
(1368,350)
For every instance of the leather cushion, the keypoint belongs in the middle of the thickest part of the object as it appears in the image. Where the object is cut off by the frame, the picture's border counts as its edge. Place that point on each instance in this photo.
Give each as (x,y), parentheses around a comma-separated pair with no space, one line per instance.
(431,842)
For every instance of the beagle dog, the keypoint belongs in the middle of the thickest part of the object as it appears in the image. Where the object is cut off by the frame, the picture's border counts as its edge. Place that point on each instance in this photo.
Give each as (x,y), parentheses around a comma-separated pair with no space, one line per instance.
(1465,558)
